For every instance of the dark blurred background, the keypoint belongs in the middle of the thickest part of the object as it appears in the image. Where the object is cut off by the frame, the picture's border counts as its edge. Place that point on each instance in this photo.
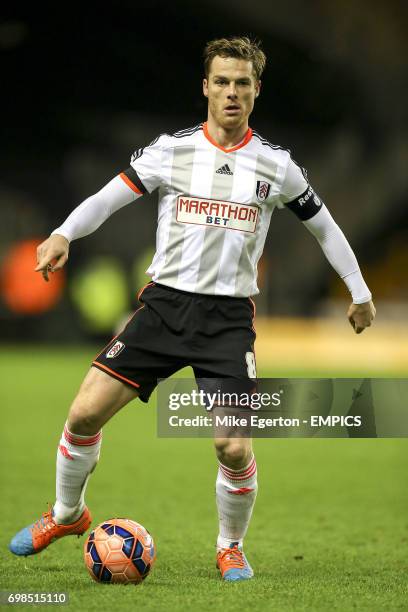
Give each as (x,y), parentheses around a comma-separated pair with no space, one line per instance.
(84,85)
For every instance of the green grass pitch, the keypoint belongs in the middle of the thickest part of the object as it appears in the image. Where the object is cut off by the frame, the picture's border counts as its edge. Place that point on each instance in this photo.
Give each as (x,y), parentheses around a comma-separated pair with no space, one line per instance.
(329,531)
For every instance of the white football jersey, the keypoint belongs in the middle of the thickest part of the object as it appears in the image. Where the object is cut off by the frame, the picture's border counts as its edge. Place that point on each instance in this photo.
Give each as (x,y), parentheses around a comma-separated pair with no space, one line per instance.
(215,206)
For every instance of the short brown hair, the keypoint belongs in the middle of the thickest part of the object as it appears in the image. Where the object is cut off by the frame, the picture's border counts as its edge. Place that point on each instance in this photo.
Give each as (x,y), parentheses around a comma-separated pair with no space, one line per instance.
(241,47)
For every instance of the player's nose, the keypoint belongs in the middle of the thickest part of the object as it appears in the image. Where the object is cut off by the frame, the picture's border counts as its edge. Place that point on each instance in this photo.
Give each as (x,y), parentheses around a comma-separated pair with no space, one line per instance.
(232,91)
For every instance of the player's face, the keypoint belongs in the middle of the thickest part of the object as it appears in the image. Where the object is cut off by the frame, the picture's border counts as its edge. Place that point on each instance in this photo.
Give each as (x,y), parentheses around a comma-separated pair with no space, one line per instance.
(231,89)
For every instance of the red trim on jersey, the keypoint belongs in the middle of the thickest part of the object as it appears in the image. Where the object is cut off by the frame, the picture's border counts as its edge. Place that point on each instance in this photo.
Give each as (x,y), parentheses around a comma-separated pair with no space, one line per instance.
(115,374)
(129,183)
(247,138)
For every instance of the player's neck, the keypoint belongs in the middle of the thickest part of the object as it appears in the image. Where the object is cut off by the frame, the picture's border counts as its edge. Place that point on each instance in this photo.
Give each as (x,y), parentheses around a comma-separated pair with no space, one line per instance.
(226,138)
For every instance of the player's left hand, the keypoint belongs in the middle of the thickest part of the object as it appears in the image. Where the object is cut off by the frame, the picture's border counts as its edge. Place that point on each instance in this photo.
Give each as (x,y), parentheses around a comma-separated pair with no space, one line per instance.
(361,316)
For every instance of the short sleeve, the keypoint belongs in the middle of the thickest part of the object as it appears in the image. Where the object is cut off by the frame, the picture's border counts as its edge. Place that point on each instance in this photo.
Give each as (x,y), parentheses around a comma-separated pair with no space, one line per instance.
(147,162)
(297,194)
(294,184)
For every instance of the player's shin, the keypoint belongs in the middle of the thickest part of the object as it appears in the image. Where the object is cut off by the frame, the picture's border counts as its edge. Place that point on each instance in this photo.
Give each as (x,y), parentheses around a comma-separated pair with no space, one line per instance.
(77,457)
(236,493)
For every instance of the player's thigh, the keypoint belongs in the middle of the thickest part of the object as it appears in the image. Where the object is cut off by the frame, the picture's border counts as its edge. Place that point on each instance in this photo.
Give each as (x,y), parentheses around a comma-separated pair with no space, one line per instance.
(98,399)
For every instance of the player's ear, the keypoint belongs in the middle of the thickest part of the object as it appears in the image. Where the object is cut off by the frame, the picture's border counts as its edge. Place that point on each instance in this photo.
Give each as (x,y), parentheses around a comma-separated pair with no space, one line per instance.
(205,87)
(257,88)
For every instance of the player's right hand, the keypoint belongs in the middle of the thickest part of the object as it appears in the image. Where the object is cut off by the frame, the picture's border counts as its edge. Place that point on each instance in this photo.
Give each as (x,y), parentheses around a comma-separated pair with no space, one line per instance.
(52,254)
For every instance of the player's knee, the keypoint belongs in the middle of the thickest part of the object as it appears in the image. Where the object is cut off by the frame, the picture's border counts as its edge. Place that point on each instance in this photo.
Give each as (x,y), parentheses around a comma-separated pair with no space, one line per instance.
(82,420)
(233,453)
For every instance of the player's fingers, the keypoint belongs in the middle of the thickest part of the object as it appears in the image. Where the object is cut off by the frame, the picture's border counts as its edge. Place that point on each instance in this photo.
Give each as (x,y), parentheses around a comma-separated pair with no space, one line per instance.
(360,327)
(43,264)
(44,273)
(363,323)
(39,253)
(47,257)
(42,250)
(61,261)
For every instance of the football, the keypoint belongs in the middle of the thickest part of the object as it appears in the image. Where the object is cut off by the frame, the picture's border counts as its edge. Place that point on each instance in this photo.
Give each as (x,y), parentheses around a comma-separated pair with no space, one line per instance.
(119,550)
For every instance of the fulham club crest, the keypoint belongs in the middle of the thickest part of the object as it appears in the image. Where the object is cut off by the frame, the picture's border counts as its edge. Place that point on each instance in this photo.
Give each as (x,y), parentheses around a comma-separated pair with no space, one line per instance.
(262,190)
(115,350)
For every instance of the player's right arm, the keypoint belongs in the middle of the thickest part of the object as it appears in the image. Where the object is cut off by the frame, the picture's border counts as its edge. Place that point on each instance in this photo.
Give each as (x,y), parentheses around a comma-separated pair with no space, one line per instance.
(144,174)
(52,254)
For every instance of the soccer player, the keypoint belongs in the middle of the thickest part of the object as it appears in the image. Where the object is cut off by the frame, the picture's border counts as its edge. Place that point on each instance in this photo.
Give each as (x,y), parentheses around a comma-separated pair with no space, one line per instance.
(218,184)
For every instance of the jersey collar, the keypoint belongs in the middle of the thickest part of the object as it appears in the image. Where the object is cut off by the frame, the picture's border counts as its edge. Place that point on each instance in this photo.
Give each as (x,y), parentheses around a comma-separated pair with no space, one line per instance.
(247,138)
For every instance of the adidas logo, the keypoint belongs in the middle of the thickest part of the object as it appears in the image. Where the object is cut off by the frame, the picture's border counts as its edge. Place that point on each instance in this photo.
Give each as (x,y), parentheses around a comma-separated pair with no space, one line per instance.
(225,169)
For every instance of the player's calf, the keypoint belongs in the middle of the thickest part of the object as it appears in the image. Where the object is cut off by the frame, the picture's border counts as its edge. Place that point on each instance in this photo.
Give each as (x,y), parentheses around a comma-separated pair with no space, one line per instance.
(236,491)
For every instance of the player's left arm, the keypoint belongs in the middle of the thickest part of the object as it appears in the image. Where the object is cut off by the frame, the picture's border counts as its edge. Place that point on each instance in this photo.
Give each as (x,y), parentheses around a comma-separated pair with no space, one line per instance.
(315,216)
(340,255)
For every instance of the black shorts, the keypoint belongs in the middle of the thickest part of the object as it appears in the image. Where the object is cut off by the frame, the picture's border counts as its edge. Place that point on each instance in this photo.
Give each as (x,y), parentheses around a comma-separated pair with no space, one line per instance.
(173,329)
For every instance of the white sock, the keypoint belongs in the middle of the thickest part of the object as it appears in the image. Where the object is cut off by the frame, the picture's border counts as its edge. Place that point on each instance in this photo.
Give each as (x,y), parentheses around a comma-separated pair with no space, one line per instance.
(236,493)
(77,457)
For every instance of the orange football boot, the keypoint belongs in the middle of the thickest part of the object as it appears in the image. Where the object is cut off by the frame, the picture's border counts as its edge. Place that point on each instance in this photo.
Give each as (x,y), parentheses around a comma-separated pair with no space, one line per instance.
(233,564)
(34,538)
